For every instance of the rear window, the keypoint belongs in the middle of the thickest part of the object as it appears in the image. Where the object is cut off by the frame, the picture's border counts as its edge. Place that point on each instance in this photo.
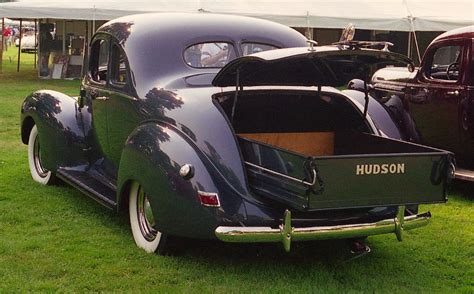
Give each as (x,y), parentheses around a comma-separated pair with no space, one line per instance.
(250,48)
(210,54)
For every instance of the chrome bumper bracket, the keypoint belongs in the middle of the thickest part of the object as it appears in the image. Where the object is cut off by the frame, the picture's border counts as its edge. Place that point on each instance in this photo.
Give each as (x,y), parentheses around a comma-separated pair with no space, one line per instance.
(286,230)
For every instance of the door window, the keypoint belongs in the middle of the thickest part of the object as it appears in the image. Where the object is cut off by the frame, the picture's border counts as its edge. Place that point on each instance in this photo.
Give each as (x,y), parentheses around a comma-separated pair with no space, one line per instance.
(445,63)
(118,67)
(99,61)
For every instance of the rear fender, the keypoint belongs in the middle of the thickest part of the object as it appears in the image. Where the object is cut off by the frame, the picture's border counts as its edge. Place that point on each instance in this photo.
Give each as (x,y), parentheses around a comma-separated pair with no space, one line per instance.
(63,128)
(378,113)
(153,155)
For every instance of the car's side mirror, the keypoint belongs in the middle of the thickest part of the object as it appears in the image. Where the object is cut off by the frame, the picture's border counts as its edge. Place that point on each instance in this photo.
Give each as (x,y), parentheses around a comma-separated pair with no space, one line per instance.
(82,97)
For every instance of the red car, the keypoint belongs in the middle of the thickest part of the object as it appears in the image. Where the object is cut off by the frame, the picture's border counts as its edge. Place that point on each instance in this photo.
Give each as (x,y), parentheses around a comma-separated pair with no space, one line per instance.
(439,95)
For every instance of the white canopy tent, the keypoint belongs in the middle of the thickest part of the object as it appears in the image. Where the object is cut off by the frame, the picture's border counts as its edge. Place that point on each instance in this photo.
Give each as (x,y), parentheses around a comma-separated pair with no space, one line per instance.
(387,15)
(394,15)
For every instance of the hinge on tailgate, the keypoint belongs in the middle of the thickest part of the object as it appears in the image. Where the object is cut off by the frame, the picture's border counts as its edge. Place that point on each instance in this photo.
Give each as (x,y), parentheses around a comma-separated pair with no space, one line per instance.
(311,170)
(366,92)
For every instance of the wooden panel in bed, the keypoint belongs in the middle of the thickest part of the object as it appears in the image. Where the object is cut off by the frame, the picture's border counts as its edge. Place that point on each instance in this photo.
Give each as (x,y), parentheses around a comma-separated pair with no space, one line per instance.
(309,144)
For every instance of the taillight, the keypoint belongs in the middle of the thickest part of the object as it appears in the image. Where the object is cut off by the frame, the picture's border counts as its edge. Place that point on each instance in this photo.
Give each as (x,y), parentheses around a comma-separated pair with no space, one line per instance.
(209,199)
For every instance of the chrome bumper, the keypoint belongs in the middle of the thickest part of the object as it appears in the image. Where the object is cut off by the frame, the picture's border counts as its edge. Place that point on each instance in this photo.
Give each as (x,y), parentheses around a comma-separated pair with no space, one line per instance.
(286,233)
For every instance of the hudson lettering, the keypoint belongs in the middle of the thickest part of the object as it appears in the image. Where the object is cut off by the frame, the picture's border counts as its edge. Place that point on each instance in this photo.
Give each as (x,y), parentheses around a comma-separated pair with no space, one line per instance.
(383,169)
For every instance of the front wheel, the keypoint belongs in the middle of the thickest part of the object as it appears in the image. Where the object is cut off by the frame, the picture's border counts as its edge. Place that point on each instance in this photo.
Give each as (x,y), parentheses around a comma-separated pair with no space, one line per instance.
(142,222)
(38,172)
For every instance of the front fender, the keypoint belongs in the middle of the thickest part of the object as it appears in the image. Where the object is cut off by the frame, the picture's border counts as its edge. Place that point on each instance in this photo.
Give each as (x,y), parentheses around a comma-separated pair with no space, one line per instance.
(153,155)
(63,127)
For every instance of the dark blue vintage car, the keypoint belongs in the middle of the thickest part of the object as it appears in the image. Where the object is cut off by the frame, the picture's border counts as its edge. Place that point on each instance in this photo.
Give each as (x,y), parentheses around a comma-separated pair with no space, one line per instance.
(205,126)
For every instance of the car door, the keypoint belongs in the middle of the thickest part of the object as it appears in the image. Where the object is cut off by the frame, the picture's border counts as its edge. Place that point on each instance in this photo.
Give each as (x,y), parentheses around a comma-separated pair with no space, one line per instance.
(97,91)
(467,110)
(438,94)
(123,112)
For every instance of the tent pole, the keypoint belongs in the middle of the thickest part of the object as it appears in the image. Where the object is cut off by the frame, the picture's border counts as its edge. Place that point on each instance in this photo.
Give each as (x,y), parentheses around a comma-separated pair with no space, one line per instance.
(409,45)
(1,45)
(64,36)
(93,21)
(417,47)
(19,46)
(86,48)
(39,48)
(36,43)
(410,19)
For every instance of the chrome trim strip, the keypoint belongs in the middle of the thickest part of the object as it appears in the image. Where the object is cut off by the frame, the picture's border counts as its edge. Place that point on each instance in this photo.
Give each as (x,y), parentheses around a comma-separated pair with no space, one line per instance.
(464,174)
(285,234)
(283,175)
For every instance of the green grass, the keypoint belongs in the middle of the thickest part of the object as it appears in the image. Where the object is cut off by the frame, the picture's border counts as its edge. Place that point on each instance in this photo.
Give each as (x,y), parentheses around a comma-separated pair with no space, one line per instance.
(55,239)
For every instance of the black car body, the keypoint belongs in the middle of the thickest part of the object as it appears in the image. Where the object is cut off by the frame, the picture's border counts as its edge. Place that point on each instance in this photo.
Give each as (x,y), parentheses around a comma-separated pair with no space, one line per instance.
(187,145)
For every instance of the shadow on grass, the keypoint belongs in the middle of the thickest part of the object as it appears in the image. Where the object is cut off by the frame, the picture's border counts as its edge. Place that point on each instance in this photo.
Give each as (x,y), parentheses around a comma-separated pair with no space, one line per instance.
(330,251)
(464,189)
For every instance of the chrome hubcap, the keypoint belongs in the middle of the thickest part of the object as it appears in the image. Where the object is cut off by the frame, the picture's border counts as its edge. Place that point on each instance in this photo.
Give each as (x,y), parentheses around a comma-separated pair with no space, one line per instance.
(146,220)
(42,172)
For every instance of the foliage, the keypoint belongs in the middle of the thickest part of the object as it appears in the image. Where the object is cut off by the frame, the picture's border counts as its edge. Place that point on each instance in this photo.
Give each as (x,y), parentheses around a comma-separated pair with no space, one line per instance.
(53,238)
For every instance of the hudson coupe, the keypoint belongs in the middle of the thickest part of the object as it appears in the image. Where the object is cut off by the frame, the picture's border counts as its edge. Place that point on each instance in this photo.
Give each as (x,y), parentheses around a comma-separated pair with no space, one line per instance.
(233,128)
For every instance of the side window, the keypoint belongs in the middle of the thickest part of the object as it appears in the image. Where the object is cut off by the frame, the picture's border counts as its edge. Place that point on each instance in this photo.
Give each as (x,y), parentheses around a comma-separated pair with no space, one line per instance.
(99,60)
(250,48)
(118,67)
(210,54)
(445,63)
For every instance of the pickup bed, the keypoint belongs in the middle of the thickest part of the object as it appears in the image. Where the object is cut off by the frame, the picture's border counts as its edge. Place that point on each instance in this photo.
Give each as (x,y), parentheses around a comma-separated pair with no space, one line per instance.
(362,171)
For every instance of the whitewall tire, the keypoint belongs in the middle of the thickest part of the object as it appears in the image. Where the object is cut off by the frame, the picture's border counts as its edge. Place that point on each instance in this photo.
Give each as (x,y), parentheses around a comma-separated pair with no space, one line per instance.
(142,221)
(38,172)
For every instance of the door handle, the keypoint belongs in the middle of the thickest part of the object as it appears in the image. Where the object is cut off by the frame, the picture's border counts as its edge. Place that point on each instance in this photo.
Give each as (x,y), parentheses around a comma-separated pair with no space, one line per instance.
(453,93)
(102,98)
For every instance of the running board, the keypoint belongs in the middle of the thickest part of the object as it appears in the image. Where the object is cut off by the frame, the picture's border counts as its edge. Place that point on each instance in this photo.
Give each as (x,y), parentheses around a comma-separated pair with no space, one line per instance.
(464,174)
(91,183)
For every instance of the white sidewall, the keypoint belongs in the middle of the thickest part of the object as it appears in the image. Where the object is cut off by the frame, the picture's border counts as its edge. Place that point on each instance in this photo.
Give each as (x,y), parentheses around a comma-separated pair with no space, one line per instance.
(44,180)
(148,246)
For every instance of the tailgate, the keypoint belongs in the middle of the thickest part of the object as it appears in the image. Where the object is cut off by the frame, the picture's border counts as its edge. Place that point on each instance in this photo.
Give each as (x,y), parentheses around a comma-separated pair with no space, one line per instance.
(405,174)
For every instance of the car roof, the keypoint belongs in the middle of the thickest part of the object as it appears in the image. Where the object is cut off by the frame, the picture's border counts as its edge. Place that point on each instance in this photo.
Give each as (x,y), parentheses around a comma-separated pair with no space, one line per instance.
(187,25)
(464,32)
(154,43)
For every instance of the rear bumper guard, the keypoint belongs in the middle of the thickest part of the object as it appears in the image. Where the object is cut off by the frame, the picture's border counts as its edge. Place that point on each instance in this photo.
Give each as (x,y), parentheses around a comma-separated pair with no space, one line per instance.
(286,233)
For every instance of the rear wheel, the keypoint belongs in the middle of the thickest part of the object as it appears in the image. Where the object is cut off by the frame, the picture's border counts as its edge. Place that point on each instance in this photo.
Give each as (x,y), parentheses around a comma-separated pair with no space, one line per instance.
(142,222)
(38,172)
